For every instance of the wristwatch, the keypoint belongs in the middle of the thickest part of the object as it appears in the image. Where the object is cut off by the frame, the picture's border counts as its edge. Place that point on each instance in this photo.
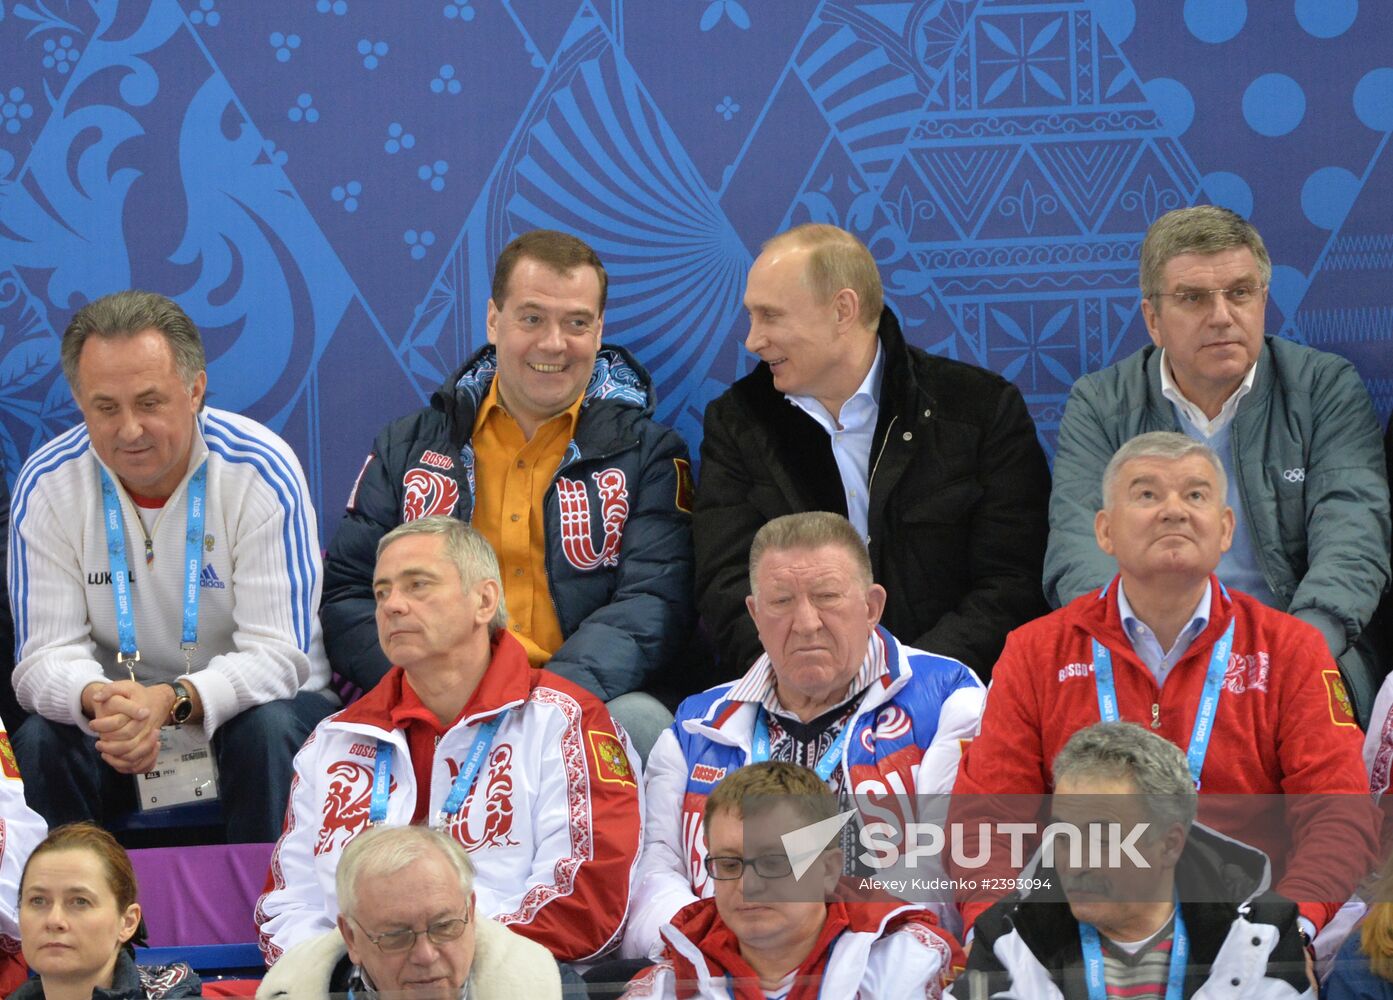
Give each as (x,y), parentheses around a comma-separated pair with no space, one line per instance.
(182,708)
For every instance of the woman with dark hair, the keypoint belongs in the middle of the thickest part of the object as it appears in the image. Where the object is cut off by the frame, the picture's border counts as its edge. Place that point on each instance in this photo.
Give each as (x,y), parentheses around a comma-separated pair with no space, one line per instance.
(79,923)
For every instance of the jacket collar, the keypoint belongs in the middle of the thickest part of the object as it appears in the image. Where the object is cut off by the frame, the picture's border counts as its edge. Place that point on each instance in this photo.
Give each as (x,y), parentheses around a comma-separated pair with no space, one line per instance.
(505,684)
(899,385)
(731,722)
(1164,412)
(1047,926)
(1096,614)
(701,946)
(617,377)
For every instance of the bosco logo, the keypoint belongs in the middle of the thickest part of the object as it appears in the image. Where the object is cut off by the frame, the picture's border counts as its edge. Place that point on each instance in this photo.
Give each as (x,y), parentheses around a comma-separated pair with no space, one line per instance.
(428,493)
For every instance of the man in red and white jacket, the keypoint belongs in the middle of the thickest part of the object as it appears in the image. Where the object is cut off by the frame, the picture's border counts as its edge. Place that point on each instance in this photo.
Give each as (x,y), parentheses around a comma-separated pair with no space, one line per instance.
(525,769)
(776,927)
(1281,724)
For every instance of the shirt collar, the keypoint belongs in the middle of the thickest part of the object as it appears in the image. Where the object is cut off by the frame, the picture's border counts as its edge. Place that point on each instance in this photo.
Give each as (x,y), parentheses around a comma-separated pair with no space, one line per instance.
(759,685)
(868,390)
(1199,618)
(494,402)
(1193,413)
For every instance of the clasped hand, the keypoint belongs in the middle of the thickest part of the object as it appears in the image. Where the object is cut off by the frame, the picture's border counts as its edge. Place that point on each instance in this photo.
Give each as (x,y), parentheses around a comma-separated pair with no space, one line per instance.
(127,716)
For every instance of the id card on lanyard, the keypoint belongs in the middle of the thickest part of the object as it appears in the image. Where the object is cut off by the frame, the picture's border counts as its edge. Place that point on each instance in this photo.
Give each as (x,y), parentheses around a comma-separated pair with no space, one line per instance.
(459,788)
(1204,714)
(184,770)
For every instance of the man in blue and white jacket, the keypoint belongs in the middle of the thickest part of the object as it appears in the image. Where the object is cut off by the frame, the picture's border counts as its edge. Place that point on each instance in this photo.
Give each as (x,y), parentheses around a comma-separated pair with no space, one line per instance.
(833,692)
(164,568)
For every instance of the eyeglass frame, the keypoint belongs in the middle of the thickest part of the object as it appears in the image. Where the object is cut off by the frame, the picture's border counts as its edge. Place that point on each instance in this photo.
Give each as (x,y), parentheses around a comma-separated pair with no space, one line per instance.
(745,863)
(1209,293)
(429,931)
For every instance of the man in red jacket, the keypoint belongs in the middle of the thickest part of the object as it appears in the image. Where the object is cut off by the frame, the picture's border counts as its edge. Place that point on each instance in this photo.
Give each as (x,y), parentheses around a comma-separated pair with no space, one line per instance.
(1252,694)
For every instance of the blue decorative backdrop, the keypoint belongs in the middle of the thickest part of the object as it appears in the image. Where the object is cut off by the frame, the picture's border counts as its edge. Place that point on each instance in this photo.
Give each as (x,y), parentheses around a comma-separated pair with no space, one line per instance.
(324,184)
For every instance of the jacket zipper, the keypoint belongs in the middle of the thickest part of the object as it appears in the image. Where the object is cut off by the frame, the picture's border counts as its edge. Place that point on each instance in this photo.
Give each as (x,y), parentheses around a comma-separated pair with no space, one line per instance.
(876,464)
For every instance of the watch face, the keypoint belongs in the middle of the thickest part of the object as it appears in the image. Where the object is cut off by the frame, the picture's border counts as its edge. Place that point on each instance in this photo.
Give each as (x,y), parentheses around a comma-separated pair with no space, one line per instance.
(183,705)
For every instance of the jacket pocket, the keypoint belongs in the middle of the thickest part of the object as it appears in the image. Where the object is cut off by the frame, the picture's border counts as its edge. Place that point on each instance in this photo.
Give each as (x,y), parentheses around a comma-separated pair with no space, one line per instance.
(949,504)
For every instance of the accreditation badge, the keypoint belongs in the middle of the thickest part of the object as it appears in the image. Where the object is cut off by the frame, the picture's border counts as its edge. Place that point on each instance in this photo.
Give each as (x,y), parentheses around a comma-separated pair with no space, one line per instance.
(184,772)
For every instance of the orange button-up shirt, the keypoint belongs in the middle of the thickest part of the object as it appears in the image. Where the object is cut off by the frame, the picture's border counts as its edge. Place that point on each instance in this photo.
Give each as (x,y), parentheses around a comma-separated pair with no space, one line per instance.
(511,476)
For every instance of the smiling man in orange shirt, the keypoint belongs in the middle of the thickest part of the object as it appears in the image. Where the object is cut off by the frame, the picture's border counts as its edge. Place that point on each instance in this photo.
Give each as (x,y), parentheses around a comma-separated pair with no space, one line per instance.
(545,441)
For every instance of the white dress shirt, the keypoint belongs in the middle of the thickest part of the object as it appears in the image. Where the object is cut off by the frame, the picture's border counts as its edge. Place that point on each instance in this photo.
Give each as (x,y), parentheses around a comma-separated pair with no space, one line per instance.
(852,432)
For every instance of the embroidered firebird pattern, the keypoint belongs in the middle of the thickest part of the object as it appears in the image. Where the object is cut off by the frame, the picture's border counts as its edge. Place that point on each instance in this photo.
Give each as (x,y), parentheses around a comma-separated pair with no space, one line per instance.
(611,762)
(576,542)
(346,804)
(427,493)
(493,827)
(942,951)
(1247,672)
(582,836)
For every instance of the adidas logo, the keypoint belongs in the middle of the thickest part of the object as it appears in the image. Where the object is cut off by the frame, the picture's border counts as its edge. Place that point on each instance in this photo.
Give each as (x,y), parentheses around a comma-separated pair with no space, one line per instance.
(208,578)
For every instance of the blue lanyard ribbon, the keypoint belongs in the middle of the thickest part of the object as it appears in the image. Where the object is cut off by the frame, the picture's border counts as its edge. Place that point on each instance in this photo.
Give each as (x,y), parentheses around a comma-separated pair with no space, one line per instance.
(826,764)
(1093,961)
(459,789)
(1204,714)
(129,653)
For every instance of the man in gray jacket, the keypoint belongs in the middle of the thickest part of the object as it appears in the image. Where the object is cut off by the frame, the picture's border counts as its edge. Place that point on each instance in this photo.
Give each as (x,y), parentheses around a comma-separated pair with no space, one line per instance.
(1294,427)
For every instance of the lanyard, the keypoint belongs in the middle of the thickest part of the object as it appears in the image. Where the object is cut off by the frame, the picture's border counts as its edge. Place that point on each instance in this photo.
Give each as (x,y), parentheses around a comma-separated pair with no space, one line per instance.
(1093,960)
(459,789)
(826,764)
(1209,696)
(129,653)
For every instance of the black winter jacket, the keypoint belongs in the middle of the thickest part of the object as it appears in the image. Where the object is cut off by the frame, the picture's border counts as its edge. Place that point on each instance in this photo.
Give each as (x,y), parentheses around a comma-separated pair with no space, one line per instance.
(622,589)
(959,494)
(133,982)
(1244,939)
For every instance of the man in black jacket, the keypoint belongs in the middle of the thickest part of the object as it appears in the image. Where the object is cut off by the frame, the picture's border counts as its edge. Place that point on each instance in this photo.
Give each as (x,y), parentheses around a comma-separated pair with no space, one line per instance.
(1138,899)
(936,462)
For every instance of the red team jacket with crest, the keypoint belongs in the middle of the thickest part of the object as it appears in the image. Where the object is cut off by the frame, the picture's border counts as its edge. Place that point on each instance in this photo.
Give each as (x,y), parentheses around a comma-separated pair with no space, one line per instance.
(617,522)
(1284,727)
(553,824)
(907,735)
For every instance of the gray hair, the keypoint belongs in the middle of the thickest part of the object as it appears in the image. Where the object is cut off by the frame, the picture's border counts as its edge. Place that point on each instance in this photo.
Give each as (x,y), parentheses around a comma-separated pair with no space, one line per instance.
(125,314)
(810,530)
(1199,229)
(385,850)
(470,551)
(1168,445)
(836,260)
(1125,750)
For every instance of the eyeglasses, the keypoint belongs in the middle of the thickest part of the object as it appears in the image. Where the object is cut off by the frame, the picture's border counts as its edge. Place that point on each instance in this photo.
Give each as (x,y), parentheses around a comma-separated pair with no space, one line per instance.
(729,868)
(1199,300)
(440,932)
